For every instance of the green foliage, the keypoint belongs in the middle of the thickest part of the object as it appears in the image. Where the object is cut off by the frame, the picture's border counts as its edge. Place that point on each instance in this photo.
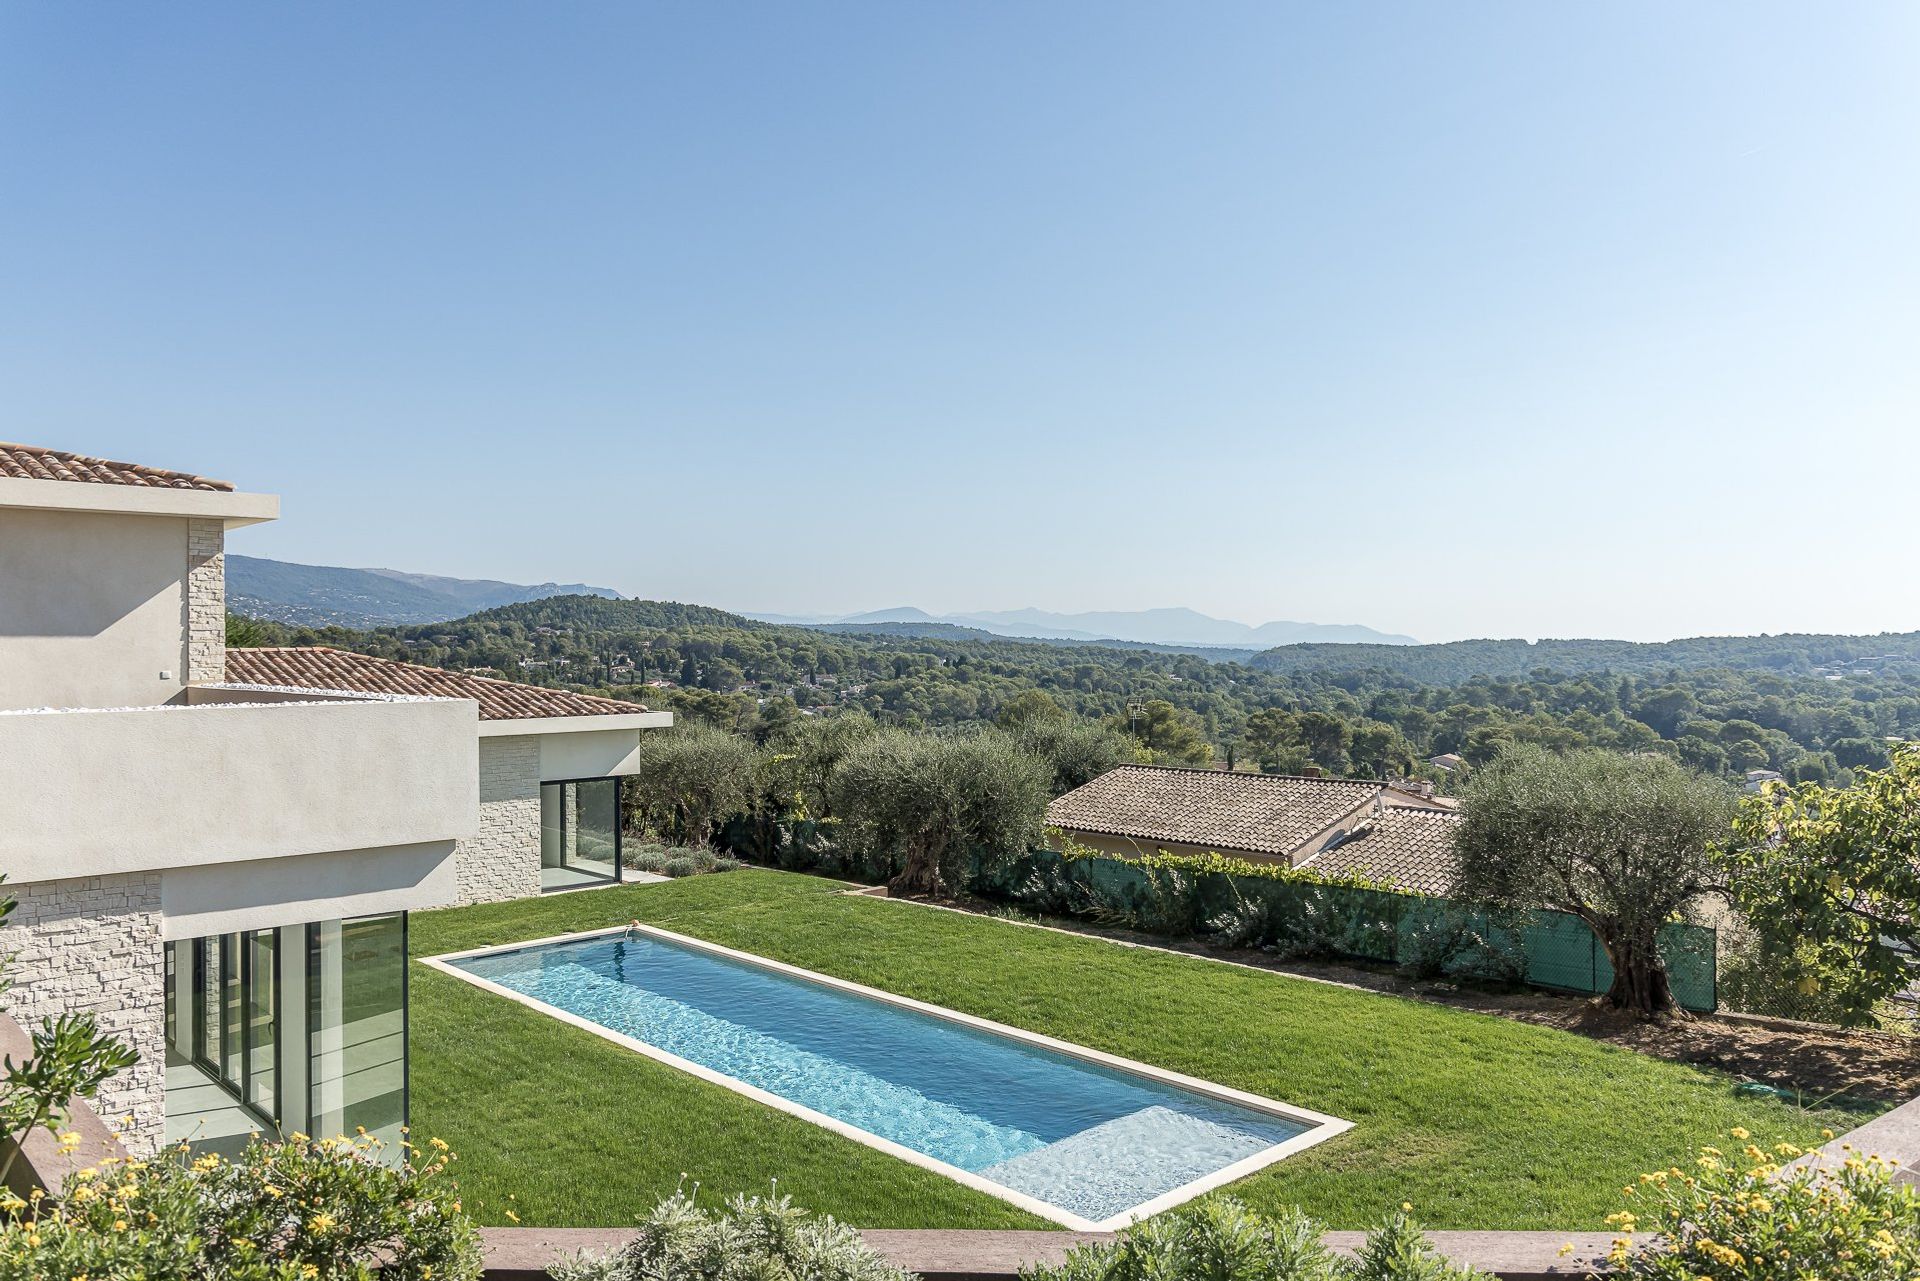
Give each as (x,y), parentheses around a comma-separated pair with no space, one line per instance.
(247,633)
(750,1239)
(1294,912)
(1027,707)
(1509,659)
(1167,735)
(1075,751)
(691,780)
(1220,1239)
(1708,702)
(279,1212)
(1741,1217)
(668,860)
(1833,876)
(930,808)
(1622,842)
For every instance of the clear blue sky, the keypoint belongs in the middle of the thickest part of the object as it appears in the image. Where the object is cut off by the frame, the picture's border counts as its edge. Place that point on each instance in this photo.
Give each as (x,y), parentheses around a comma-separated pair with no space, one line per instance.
(1456,320)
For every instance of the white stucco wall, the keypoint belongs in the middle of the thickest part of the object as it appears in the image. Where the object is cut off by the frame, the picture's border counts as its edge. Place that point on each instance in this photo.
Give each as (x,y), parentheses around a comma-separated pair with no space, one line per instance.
(93,609)
(589,753)
(502,859)
(94,792)
(224,898)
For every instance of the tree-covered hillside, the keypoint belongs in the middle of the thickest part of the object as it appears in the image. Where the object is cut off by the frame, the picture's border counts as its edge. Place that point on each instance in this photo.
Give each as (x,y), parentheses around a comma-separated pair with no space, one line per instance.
(1787,655)
(1367,718)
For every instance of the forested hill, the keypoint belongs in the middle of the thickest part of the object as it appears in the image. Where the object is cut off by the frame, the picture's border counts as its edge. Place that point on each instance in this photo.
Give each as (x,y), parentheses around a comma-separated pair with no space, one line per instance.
(596,614)
(1786,655)
(1372,715)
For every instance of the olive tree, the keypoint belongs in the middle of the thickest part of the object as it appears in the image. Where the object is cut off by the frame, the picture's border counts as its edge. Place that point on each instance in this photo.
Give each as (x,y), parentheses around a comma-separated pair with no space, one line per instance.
(692,779)
(1625,843)
(1075,751)
(924,806)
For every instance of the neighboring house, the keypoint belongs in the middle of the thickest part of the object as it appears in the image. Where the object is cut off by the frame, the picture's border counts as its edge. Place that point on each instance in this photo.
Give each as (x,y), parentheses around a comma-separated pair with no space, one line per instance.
(1448,761)
(550,764)
(220,871)
(1340,826)
(1757,779)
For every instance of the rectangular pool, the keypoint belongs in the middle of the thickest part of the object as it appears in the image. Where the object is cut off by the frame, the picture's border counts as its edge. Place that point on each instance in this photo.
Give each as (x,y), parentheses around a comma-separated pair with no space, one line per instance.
(1080,1137)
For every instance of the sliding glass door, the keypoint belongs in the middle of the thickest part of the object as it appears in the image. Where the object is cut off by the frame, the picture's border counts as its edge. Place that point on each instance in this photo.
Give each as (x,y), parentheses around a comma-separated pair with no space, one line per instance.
(300,1027)
(357,1026)
(224,1014)
(579,832)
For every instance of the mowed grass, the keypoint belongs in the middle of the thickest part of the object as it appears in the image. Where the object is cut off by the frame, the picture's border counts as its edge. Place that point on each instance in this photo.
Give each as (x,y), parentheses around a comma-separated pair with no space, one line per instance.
(1479,1122)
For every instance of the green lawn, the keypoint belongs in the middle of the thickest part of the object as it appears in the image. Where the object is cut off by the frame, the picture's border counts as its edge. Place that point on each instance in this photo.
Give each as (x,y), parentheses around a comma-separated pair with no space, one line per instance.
(1480,1122)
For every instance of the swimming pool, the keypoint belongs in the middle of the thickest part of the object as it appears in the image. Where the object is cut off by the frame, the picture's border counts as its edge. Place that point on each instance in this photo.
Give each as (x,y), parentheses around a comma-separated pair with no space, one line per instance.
(1077,1136)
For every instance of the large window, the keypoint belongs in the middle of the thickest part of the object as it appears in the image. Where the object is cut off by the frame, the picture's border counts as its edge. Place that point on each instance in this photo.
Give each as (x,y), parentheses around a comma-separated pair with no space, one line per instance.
(357,1025)
(579,833)
(223,1015)
(301,1027)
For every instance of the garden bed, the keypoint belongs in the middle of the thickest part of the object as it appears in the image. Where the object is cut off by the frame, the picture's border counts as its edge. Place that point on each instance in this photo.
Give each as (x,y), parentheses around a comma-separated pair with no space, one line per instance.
(1481,1122)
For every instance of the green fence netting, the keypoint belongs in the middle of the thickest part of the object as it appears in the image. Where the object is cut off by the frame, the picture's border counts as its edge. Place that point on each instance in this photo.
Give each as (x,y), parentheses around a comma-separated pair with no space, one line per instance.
(1557,949)
(1545,949)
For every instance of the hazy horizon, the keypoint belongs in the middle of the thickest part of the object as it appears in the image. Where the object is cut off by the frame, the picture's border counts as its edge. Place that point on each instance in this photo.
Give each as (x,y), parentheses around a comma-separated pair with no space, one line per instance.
(1492,322)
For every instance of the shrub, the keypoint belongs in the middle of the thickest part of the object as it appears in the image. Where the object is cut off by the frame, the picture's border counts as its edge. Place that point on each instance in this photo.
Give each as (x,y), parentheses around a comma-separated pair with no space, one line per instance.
(668,860)
(1740,1218)
(1486,946)
(306,1208)
(750,1238)
(647,858)
(1220,1239)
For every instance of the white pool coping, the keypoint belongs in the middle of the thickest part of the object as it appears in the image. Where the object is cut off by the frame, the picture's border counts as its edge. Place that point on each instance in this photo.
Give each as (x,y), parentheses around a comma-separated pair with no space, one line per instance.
(1321,1127)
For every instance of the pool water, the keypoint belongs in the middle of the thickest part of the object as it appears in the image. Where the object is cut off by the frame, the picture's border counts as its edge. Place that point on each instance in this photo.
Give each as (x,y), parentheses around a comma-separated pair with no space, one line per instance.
(1090,1140)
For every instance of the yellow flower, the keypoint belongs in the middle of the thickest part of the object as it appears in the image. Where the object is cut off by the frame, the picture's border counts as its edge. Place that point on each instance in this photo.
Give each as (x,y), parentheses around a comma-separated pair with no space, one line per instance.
(1740,1132)
(320,1222)
(511,1215)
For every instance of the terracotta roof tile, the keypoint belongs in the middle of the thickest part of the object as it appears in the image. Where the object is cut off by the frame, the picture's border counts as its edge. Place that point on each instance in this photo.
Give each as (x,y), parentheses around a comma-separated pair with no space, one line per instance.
(319,667)
(1255,813)
(31,462)
(1409,849)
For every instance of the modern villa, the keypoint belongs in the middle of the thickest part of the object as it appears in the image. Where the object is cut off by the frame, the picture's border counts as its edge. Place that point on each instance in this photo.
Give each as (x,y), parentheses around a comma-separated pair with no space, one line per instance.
(215,852)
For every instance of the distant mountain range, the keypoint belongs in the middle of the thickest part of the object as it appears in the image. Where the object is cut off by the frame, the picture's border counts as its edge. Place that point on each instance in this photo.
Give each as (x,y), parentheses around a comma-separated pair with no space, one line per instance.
(1183,627)
(316,595)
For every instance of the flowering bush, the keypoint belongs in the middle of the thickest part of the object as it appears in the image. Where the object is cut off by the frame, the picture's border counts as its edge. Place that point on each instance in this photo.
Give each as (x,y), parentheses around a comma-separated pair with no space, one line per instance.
(750,1239)
(1741,1217)
(305,1210)
(1222,1238)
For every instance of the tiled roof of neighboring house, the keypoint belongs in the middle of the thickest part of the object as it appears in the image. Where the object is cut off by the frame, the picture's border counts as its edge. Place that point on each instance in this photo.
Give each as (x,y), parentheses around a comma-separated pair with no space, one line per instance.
(1409,849)
(1257,813)
(31,462)
(318,667)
